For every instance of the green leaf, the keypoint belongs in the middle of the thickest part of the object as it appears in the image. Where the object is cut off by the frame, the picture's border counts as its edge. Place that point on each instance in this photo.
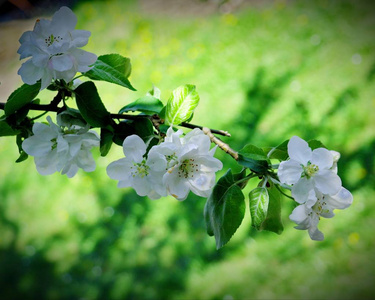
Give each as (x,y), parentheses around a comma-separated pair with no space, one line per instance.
(147,104)
(259,200)
(19,139)
(155,92)
(91,106)
(273,220)
(224,209)
(314,144)
(253,158)
(142,127)
(280,152)
(105,141)
(112,68)
(6,130)
(181,104)
(20,97)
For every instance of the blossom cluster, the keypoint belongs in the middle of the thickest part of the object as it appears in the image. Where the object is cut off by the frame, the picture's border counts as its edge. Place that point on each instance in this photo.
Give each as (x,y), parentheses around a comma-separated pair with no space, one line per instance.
(176,166)
(54,49)
(63,147)
(314,183)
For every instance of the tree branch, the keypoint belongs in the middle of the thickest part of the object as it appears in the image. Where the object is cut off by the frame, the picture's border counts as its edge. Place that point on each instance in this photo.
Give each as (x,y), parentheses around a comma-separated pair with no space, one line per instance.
(223,146)
(52,107)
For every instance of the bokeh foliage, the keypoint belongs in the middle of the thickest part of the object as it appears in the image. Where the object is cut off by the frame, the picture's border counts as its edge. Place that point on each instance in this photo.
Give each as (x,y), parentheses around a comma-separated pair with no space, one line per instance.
(264,73)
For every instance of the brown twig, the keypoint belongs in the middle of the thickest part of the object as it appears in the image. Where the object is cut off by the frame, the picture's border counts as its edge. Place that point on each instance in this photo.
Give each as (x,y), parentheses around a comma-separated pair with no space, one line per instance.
(223,146)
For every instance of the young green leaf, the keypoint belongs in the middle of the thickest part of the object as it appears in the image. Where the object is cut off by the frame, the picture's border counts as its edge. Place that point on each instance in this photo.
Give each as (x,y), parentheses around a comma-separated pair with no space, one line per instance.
(91,106)
(253,158)
(154,92)
(21,97)
(112,68)
(280,152)
(259,200)
(181,104)
(147,104)
(314,144)
(273,220)
(224,209)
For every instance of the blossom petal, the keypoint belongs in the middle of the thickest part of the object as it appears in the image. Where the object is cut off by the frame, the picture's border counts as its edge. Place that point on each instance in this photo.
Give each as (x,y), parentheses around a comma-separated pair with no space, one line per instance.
(63,20)
(134,148)
(36,147)
(177,187)
(322,158)
(301,190)
(80,37)
(299,215)
(141,185)
(30,73)
(299,150)
(62,63)
(343,199)
(120,169)
(327,182)
(289,172)
(315,234)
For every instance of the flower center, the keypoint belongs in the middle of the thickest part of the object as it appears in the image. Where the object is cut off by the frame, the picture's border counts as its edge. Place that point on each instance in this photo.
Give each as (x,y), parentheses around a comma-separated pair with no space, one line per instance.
(187,168)
(140,169)
(51,39)
(171,160)
(54,143)
(320,207)
(310,170)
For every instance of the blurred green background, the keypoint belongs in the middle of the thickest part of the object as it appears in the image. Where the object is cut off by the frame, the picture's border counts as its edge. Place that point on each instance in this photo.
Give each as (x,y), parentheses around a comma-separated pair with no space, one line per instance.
(265,71)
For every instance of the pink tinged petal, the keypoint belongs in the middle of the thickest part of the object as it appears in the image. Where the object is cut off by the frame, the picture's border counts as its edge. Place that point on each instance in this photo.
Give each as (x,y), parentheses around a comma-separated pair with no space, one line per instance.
(322,158)
(80,37)
(301,190)
(289,172)
(134,148)
(120,170)
(299,150)
(343,199)
(327,182)
(63,20)
(30,73)
(62,63)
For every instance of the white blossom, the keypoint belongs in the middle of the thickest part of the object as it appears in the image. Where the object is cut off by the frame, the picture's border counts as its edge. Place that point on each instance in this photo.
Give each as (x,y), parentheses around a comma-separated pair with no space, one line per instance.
(54,49)
(136,171)
(307,170)
(307,215)
(59,149)
(190,165)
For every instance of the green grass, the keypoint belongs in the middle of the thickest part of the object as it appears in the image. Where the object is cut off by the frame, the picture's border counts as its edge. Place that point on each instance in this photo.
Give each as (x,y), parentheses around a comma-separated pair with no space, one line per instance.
(265,73)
